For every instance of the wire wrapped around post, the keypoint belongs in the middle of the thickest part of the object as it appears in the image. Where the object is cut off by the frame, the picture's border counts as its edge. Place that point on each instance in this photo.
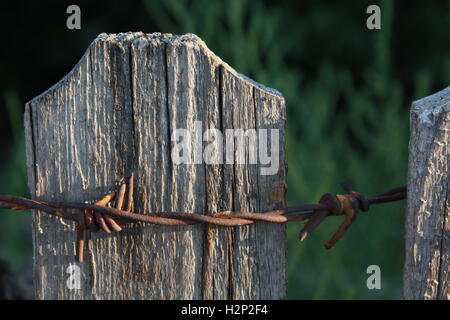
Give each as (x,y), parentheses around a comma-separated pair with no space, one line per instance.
(100,216)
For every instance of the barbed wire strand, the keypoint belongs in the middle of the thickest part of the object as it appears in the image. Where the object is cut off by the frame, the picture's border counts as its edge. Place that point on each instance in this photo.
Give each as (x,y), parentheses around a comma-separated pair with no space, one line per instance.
(99,216)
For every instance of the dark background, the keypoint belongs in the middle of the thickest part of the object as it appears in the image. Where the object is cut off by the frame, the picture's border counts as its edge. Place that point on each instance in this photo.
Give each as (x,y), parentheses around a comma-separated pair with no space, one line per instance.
(348,92)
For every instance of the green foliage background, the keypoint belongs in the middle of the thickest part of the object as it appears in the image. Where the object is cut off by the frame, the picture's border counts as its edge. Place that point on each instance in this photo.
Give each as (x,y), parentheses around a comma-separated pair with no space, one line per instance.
(348,92)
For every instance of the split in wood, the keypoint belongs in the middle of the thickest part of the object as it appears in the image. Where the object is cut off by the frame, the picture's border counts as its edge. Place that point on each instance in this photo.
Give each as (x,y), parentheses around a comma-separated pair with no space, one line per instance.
(98,216)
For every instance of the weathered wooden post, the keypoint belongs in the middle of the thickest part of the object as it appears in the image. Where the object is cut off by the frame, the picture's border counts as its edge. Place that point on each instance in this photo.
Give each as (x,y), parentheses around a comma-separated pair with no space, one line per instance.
(427,265)
(114,114)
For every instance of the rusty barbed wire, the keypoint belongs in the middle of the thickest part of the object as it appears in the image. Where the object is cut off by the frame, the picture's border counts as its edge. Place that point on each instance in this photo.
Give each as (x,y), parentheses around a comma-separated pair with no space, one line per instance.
(98,216)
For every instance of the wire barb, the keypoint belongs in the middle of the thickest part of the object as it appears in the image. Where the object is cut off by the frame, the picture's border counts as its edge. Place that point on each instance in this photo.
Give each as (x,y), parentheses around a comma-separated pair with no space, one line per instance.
(100,216)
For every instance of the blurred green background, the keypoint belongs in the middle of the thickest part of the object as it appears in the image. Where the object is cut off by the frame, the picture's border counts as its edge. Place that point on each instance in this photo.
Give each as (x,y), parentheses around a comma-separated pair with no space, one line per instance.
(348,92)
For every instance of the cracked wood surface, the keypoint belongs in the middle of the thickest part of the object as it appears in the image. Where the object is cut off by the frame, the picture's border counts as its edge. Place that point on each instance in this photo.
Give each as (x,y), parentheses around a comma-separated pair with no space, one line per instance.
(427,267)
(114,114)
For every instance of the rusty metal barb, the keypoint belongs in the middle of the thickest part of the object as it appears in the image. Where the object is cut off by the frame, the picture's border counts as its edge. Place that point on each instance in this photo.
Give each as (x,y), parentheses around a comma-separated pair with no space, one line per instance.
(99,216)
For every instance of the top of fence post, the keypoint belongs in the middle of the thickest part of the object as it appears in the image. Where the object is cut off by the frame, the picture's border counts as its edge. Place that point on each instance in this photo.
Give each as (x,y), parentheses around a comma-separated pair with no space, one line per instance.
(114,114)
(427,260)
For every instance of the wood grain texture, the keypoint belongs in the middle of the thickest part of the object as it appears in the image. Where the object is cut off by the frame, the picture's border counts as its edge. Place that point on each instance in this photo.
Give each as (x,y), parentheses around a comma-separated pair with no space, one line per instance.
(427,267)
(114,114)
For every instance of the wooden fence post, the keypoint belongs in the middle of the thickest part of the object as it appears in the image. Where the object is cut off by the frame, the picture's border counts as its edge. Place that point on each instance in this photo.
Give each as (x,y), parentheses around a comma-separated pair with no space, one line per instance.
(114,114)
(427,265)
